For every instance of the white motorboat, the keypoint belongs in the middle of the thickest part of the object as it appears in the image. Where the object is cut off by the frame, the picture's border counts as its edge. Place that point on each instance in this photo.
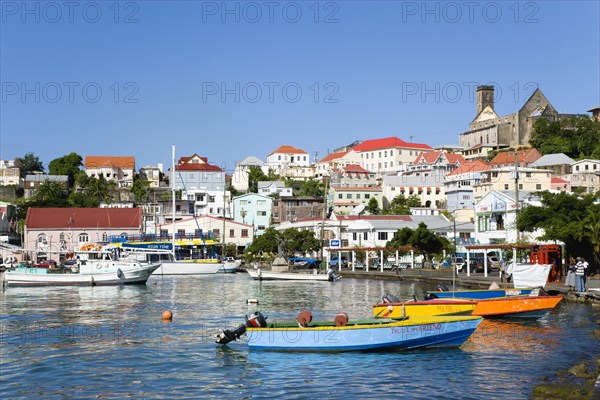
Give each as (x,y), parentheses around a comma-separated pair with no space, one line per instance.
(97,267)
(259,274)
(230,265)
(168,264)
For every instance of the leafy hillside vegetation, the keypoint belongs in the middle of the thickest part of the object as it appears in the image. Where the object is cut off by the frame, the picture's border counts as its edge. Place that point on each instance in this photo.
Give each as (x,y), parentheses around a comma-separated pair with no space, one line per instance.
(578,137)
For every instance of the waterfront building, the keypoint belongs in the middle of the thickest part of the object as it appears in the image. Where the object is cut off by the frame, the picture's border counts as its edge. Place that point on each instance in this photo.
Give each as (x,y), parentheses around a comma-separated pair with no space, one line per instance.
(239,180)
(434,163)
(478,152)
(296,208)
(336,160)
(352,175)
(288,161)
(560,184)
(210,227)
(558,164)
(203,184)
(585,174)
(458,184)
(10,173)
(362,231)
(51,233)
(510,130)
(346,199)
(119,169)
(388,156)
(268,188)
(428,188)
(528,179)
(253,209)
(523,158)
(495,215)
(32,182)
(153,174)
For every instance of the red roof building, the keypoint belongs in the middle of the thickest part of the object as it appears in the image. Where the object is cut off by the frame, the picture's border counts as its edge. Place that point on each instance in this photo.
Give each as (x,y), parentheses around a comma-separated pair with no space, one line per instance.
(388,155)
(113,168)
(53,232)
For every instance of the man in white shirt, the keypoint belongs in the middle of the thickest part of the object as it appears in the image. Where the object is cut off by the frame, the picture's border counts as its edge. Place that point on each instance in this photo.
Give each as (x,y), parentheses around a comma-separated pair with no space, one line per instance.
(580,272)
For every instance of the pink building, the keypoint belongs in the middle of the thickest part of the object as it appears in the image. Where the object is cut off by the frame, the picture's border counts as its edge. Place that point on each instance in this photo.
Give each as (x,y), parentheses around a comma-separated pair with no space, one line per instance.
(51,233)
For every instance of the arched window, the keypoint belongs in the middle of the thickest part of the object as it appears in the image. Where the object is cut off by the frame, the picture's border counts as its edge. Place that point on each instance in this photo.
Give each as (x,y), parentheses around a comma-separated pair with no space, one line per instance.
(41,239)
(83,238)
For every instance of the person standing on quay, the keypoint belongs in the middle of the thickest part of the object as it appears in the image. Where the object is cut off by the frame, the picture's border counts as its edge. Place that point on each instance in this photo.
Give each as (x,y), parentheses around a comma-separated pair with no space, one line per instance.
(580,273)
(571,269)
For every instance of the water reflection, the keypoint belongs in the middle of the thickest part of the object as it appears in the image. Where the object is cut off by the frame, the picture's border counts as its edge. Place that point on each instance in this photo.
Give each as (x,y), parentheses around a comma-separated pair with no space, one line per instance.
(111,342)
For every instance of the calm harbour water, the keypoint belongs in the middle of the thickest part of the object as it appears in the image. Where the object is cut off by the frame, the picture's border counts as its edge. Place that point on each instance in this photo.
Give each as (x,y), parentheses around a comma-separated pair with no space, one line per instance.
(110,342)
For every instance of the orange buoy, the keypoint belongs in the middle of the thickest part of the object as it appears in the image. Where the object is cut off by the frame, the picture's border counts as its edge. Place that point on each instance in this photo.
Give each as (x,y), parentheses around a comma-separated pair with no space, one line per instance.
(167,315)
(341,319)
(304,318)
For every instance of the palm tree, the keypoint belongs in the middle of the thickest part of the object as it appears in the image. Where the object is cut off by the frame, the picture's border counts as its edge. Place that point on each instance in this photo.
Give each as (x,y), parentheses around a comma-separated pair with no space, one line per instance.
(50,192)
(591,230)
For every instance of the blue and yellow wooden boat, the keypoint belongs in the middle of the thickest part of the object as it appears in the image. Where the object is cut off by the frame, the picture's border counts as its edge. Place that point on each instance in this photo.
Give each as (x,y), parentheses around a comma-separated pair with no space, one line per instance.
(429,308)
(479,294)
(343,334)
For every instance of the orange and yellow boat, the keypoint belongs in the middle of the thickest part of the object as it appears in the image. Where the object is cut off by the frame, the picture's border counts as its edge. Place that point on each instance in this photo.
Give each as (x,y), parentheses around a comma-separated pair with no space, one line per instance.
(516,306)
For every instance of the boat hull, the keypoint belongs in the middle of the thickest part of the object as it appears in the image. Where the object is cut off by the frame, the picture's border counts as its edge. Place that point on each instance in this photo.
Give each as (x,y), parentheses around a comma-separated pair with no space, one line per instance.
(434,307)
(229,267)
(35,277)
(258,274)
(481,294)
(410,333)
(516,307)
(188,268)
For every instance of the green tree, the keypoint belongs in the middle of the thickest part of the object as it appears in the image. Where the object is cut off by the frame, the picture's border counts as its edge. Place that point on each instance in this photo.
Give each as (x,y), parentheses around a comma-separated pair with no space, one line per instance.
(90,191)
(140,188)
(373,207)
(426,242)
(66,165)
(562,216)
(255,175)
(577,136)
(262,246)
(31,163)
(301,242)
(311,188)
(400,205)
(51,194)
(591,230)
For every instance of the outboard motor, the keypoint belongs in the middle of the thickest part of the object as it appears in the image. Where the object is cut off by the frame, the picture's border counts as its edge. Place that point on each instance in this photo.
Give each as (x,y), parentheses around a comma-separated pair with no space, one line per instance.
(332,276)
(442,288)
(389,298)
(255,320)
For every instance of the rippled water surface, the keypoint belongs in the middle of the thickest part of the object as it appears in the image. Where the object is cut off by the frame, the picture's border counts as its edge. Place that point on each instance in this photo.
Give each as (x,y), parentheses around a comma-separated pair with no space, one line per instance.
(110,342)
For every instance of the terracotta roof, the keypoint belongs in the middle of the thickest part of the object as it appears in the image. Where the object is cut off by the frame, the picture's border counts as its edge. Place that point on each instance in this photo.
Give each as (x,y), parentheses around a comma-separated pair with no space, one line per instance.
(79,218)
(373,217)
(431,157)
(184,164)
(354,168)
(357,189)
(523,156)
(387,143)
(558,180)
(470,167)
(197,167)
(207,217)
(109,161)
(288,150)
(334,156)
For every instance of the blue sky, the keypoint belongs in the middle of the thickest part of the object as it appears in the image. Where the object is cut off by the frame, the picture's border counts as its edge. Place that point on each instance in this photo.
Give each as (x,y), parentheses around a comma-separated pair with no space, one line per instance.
(227,80)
